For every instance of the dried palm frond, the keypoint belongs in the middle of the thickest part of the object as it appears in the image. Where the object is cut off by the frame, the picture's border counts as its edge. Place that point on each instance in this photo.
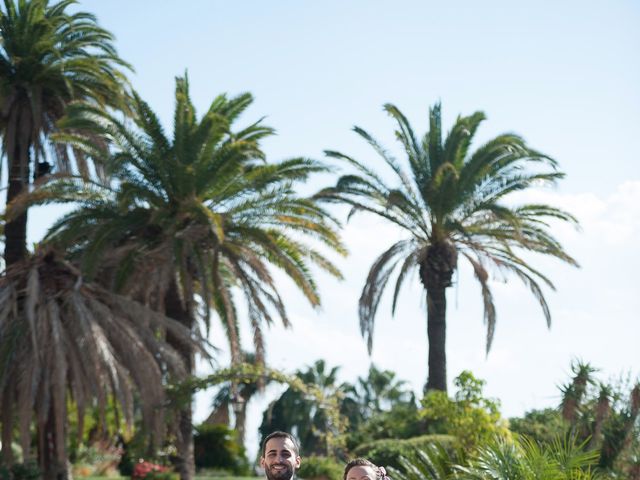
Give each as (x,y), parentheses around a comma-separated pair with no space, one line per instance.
(63,339)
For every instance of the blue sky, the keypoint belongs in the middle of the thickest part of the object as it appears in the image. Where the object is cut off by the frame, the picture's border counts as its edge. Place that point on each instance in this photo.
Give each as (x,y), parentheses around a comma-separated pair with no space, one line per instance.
(565,75)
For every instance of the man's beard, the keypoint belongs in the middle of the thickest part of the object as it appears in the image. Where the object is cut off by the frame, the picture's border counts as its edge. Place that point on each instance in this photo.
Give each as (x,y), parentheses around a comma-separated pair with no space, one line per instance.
(284,474)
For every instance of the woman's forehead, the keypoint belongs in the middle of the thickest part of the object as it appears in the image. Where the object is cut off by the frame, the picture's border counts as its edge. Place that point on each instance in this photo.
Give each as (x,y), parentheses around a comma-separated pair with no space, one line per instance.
(359,471)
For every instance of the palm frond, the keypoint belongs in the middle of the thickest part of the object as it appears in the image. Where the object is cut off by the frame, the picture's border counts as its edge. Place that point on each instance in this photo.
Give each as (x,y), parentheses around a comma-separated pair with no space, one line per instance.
(377,279)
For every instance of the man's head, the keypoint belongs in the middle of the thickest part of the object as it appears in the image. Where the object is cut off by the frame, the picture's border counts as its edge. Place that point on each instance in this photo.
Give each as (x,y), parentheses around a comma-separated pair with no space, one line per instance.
(280,456)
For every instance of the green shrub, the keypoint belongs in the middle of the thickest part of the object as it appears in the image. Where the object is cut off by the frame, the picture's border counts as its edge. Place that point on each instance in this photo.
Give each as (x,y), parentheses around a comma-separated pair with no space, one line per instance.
(469,416)
(216,446)
(543,426)
(386,453)
(324,468)
(20,471)
(401,421)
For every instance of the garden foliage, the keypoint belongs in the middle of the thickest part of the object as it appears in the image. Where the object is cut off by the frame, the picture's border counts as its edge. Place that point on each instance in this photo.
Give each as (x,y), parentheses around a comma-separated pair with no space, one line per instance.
(320,468)
(216,447)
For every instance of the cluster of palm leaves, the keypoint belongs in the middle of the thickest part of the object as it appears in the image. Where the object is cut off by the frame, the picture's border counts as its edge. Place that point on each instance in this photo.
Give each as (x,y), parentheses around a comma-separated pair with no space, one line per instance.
(503,459)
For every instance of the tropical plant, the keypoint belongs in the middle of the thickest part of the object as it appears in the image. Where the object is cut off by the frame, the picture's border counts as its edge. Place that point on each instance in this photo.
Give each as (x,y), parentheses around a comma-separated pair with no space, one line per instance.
(67,341)
(389,452)
(502,459)
(603,416)
(48,59)
(379,391)
(606,415)
(574,392)
(432,462)
(452,202)
(198,215)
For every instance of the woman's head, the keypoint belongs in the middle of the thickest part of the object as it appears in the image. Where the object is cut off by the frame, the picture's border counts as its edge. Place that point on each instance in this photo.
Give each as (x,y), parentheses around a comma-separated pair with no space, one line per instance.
(360,469)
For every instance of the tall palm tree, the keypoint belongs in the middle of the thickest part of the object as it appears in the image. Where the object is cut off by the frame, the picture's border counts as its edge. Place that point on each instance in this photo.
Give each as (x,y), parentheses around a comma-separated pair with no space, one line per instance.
(451,203)
(48,59)
(195,215)
(573,393)
(65,340)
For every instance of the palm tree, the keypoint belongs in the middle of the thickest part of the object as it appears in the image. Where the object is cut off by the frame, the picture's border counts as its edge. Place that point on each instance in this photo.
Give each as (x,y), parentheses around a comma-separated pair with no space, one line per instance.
(64,340)
(602,412)
(573,394)
(48,59)
(379,391)
(451,203)
(195,215)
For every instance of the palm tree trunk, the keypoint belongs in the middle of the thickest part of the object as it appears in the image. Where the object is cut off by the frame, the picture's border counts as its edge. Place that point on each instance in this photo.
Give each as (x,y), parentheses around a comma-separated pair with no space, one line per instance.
(15,231)
(436,272)
(53,463)
(602,412)
(175,309)
(7,430)
(241,420)
(436,334)
(634,412)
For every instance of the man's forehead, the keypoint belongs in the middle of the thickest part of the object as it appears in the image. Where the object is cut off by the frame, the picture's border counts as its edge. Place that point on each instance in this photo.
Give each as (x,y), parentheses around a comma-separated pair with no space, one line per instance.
(280,443)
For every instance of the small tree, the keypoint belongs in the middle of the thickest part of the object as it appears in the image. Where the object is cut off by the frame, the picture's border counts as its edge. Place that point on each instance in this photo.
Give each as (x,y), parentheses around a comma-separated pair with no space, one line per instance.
(472,418)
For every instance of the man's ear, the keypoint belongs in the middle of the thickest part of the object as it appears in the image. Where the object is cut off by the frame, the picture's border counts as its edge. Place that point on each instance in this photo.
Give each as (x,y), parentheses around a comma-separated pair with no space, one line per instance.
(297,462)
(262,462)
